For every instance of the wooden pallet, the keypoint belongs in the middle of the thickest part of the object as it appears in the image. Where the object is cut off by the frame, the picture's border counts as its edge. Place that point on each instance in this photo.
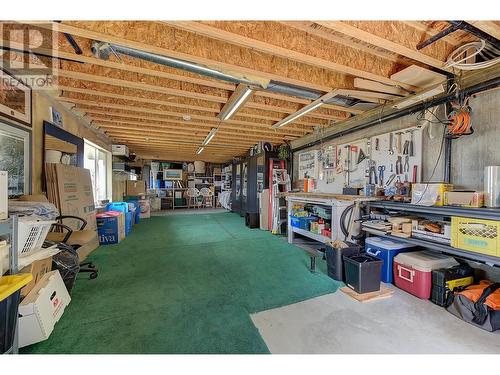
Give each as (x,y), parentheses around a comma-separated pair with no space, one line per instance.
(384,292)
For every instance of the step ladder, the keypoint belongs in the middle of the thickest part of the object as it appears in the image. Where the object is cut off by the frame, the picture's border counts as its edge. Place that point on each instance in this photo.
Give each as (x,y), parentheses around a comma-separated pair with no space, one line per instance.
(280,183)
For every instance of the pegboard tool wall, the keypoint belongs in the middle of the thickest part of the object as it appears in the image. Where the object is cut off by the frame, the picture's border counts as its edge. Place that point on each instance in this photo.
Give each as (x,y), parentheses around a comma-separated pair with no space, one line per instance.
(333,178)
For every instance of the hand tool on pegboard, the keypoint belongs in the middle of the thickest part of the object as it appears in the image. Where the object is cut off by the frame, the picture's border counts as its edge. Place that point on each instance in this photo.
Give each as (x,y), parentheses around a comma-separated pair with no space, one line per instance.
(391,143)
(381,169)
(406,167)
(399,166)
(414,174)
(372,172)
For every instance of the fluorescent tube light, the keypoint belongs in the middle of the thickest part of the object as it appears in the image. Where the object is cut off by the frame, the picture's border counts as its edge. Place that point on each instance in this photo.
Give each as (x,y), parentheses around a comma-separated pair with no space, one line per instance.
(200,150)
(209,136)
(306,109)
(235,102)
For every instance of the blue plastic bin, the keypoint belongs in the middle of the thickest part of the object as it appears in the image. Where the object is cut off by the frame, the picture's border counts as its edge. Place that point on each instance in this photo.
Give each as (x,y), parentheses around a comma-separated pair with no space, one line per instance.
(128,222)
(117,206)
(137,216)
(301,222)
(386,249)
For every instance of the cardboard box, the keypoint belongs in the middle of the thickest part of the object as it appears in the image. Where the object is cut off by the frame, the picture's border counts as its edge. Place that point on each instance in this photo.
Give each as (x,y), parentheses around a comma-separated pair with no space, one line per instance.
(85,250)
(429,194)
(70,189)
(4,195)
(464,198)
(42,308)
(111,227)
(38,268)
(145,208)
(135,188)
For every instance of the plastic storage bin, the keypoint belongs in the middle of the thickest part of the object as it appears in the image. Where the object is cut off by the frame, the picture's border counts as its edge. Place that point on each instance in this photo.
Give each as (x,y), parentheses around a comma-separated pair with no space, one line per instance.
(10,292)
(481,236)
(334,261)
(117,206)
(301,222)
(137,216)
(386,250)
(447,279)
(362,273)
(413,271)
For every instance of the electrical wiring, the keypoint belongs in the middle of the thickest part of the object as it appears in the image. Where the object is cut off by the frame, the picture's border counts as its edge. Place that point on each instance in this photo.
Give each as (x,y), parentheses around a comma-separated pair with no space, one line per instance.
(457,59)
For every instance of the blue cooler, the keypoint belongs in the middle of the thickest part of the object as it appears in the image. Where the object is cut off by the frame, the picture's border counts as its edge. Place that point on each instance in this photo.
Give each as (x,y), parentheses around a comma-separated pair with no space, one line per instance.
(386,249)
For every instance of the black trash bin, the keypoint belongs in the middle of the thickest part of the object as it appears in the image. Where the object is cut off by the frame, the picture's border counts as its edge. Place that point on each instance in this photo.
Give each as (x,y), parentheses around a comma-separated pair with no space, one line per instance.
(362,272)
(334,262)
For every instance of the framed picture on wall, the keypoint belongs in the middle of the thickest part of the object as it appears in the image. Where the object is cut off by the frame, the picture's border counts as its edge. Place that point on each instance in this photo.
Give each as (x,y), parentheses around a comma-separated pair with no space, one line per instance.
(15,99)
(15,157)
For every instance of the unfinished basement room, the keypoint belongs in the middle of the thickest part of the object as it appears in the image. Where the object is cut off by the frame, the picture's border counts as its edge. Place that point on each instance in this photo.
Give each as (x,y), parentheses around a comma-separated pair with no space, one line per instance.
(205,178)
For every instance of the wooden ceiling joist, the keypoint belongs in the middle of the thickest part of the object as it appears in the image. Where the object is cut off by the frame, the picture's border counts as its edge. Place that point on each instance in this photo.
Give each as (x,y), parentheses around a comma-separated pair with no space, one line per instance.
(96,114)
(387,44)
(173,129)
(78,76)
(158,73)
(133,100)
(216,33)
(92,30)
(167,113)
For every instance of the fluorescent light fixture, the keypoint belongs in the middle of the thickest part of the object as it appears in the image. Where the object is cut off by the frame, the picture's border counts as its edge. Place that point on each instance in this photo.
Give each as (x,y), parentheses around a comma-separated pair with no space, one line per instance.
(200,150)
(420,97)
(306,109)
(235,102)
(209,136)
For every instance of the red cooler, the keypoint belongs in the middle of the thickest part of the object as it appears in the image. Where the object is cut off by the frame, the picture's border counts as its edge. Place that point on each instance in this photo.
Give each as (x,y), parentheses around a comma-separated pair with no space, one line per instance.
(413,271)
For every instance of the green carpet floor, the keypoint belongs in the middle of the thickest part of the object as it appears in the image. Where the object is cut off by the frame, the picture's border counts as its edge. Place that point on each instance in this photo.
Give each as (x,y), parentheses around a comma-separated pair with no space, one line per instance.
(184,284)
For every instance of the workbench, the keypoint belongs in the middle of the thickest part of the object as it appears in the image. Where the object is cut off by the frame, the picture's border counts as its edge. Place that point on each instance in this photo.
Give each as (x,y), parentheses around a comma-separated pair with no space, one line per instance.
(337,202)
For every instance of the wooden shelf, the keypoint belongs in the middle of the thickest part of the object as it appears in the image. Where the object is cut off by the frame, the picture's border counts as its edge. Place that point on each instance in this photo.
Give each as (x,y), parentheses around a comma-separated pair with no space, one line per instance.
(314,236)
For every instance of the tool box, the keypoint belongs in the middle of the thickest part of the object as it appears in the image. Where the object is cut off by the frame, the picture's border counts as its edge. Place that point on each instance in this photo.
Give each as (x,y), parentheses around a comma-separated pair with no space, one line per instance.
(413,271)
(386,250)
(445,280)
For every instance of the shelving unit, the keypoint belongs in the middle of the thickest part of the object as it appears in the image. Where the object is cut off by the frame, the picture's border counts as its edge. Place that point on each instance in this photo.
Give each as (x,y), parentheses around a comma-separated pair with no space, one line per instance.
(446,211)
(9,228)
(477,213)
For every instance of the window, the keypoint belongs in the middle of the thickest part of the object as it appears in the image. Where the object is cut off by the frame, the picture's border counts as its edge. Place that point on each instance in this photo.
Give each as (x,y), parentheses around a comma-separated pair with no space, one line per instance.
(15,158)
(98,161)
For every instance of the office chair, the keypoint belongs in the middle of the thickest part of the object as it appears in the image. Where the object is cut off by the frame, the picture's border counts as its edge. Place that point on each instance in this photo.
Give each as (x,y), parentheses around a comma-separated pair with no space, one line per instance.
(73,238)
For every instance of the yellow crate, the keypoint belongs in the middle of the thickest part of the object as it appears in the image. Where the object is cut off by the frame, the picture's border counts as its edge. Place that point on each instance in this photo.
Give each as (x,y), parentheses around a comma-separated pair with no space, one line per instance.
(481,236)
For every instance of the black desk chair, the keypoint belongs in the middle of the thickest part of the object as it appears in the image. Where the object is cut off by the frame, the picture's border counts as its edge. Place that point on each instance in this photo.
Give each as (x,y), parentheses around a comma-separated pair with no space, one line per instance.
(75,239)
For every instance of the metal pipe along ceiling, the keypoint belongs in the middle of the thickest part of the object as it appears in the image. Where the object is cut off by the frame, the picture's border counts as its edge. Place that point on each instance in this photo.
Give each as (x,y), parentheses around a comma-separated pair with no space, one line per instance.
(102,50)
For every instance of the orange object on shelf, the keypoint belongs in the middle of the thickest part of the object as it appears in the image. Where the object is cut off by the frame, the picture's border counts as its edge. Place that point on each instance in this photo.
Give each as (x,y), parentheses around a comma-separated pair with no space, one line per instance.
(306,185)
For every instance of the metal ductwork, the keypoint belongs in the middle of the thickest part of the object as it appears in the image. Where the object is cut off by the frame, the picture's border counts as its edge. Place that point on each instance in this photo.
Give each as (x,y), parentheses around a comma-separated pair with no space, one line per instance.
(103,50)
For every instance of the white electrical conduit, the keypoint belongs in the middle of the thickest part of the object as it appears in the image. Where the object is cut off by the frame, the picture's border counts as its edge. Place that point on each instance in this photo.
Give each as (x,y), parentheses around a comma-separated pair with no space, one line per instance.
(458,57)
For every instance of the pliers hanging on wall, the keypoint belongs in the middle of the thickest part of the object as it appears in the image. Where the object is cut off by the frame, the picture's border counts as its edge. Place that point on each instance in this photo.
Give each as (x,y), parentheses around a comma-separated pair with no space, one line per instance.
(406,167)
(399,165)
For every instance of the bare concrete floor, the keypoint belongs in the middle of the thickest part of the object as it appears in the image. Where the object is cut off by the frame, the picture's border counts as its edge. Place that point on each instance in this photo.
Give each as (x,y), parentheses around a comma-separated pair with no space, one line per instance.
(335,323)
